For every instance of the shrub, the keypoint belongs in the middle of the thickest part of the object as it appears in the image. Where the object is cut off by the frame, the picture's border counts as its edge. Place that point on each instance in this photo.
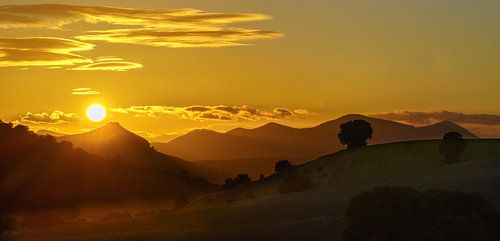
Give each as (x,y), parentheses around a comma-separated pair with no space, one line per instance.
(452,146)
(295,182)
(282,166)
(404,214)
(237,181)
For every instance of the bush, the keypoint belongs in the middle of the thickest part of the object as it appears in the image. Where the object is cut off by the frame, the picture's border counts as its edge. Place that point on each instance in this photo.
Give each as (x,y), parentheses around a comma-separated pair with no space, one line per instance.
(452,146)
(282,166)
(404,214)
(237,181)
(295,182)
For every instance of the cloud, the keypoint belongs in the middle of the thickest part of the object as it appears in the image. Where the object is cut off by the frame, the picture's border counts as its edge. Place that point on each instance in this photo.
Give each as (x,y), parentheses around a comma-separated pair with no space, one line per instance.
(429,117)
(85,91)
(217,37)
(42,51)
(58,15)
(219,112)
(55,117)
(110,64)
(174,28)
(55,53)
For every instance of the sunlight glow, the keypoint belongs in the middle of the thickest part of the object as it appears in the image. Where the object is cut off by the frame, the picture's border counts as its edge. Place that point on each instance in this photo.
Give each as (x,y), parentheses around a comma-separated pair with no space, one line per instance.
(96,112)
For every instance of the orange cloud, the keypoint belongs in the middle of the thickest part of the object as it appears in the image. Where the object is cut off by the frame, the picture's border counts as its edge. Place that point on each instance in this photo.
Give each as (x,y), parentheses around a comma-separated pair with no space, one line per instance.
(111,64)
(217,37)
(174,28)
(58,15)
(219,112)
(55,117)
(41,51)
(85,91)
(55,53)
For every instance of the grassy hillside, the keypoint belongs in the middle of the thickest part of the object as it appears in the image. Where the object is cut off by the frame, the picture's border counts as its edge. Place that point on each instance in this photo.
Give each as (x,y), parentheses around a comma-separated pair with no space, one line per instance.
(258,211)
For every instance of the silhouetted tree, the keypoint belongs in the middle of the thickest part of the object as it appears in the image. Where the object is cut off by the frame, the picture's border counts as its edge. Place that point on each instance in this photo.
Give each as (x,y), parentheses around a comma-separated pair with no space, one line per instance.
(282,165)
(237,181)
(452,146)
(404,214)
(355,133)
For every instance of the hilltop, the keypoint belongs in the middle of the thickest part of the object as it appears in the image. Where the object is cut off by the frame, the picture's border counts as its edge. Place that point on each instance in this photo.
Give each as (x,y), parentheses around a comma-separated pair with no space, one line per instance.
(113,141)
(37,172)
(265,145)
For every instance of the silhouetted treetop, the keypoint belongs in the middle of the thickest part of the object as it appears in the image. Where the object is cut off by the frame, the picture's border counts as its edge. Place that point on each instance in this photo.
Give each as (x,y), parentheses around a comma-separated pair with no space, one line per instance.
(237,181)
(282,166)
(355,133)
(452,146)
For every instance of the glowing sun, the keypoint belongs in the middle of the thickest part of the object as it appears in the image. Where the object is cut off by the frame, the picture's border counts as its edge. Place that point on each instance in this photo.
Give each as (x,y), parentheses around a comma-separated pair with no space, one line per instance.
(96,112)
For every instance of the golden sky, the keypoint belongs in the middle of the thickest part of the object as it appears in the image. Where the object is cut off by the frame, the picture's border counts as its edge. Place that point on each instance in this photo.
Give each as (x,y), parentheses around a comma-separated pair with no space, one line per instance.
(165,67)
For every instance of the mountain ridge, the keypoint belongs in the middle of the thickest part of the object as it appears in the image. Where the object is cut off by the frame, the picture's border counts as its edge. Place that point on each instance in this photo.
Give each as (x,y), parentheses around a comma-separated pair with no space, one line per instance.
(274,140)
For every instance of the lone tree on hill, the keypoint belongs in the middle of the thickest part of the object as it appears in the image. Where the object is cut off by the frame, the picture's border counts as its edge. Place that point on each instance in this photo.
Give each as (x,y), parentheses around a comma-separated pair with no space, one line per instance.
(355,133)
(452,146)
(282,166)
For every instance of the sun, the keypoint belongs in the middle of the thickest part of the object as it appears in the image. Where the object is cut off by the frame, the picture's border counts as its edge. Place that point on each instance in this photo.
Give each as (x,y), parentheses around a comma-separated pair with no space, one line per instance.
(96,112)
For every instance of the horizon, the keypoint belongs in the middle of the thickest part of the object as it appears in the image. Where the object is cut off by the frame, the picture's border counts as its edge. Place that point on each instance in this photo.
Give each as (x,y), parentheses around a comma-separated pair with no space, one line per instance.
(167,137)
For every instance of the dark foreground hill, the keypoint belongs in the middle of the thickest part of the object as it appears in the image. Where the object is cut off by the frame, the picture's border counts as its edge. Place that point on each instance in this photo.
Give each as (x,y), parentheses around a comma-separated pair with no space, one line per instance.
(37,172)
(258,211)
(254,151)
(115,142)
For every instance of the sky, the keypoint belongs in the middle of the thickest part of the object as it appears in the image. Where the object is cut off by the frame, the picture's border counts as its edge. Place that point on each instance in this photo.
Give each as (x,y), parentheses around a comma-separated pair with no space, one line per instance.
(164,67)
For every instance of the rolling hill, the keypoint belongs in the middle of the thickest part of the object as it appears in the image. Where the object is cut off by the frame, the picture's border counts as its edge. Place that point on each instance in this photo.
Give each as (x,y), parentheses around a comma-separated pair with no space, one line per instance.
(274,142)
(115,142)
(39,172)
(314,214)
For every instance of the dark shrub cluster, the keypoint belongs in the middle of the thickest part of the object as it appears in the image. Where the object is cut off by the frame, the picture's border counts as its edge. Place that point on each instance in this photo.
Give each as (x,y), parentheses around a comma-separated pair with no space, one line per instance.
(282,166)
(237,181)
(397,213)
(452,146)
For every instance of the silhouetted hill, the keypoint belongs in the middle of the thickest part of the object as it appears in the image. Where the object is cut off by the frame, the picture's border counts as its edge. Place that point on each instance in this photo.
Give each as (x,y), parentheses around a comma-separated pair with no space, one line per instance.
(111,140)
(37,171)
(213,144)
(114,141)
(275,140)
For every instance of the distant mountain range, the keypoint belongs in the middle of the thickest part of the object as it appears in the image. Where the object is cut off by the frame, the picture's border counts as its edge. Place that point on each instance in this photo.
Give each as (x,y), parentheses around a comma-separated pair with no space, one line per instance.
(279,141)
